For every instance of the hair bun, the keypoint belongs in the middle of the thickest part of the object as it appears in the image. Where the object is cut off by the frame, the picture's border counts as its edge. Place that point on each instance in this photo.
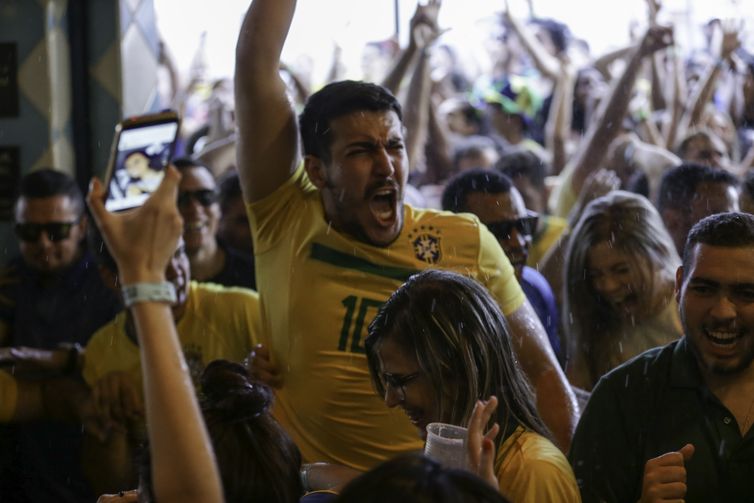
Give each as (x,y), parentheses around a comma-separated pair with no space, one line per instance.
(229,392)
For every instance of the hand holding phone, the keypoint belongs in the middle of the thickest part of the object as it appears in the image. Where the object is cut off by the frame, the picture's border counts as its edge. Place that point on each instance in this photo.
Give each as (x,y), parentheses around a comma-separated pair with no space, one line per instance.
(142,148)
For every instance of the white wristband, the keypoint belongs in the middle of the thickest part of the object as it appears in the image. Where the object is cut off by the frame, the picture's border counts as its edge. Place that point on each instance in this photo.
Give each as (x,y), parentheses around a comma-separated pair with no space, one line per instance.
(148,292)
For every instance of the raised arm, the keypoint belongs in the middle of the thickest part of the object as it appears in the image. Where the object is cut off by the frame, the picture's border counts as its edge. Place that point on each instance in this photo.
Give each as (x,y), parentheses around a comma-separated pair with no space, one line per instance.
(604,130)
(558,126)
(268,133)
(142,241)
(556,402)
(423,31)
(545,63)
(706,86)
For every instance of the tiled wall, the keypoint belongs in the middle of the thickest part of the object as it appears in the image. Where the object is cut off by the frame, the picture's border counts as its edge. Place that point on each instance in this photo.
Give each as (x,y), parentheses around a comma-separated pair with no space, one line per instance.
(121,39)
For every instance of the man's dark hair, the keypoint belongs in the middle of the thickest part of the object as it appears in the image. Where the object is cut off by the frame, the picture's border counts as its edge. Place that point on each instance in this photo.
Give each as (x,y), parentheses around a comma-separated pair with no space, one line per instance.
(723,229)
(230,188)
(486,181)
(679,184)
(559,32)
(523,162)
(48,182)
(336,100)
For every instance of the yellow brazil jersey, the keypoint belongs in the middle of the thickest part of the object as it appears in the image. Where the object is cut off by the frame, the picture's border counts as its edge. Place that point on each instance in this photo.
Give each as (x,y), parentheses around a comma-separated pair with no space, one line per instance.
(219,322)
(320,289)
(530,468)
(8,396)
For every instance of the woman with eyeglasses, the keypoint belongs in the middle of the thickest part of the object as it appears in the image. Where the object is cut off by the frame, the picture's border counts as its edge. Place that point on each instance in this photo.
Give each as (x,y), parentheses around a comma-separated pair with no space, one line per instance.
(619,280)
(438,346)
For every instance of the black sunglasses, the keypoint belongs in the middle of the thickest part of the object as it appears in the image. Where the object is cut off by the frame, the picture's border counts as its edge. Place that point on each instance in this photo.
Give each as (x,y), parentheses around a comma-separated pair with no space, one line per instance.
(525,225)
(205,197)
(55,231)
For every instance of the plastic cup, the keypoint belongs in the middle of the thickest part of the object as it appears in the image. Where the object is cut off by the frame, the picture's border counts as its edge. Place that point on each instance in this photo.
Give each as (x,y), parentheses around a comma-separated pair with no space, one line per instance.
(446,444)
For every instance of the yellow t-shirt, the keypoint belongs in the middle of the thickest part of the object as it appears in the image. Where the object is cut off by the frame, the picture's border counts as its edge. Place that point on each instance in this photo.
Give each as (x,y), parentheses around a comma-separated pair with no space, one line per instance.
(320,289)
(530,468)
(219,322)
(550,230)
(8,396)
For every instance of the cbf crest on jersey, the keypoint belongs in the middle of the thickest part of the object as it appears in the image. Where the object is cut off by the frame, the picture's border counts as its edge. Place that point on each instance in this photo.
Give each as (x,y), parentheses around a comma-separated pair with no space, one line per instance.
(426,243)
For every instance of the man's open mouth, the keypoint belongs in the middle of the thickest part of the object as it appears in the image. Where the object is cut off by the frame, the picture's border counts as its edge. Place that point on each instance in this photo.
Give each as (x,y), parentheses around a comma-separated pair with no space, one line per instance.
(383,205)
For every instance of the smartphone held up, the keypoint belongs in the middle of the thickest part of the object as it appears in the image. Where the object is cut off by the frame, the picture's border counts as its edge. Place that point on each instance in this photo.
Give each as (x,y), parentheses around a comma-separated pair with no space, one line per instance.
(142,148)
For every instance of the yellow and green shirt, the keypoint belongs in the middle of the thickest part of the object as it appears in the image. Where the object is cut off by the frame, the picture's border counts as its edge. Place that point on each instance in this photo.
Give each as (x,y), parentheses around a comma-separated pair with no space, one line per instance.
(219,322)
(320,289)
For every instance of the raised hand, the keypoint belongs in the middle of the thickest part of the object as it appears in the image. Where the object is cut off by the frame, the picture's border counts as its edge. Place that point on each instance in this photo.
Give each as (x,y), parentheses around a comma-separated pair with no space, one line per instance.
(657,37)
(731,39)
(424,27)
(481,445)
(142,240)
(665,476)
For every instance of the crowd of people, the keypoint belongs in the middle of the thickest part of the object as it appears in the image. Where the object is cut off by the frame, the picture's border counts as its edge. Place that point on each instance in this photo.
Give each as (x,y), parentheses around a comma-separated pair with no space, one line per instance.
(557,256)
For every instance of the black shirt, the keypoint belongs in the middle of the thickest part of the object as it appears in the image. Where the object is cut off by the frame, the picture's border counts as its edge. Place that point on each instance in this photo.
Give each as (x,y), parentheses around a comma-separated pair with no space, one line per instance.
(652,405)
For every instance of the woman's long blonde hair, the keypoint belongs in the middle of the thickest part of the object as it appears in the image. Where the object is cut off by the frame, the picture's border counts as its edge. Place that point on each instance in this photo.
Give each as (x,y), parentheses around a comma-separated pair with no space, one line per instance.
(629,223)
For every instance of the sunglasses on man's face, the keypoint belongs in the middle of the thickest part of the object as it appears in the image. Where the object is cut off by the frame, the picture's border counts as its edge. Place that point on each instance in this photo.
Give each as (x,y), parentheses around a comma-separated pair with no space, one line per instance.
(55,231)
(525,226)
(205,197)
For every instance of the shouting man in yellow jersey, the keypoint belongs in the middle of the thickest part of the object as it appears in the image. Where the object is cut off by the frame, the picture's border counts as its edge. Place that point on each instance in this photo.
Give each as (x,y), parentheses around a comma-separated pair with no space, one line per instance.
(333,239)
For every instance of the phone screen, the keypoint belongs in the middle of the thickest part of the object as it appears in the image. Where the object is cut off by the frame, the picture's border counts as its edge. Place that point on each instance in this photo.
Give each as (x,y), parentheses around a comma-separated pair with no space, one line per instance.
(140,159)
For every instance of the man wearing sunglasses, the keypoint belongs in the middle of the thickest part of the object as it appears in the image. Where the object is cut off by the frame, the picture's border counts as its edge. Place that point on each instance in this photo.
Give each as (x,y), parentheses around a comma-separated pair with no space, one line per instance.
(493,198)
(51,295)
(198,202)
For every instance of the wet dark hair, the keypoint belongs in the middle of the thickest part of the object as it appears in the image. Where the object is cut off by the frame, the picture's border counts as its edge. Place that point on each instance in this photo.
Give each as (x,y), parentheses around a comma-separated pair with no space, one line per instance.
(723,229)
(486,181)
(48,182)
(336,100)
(257,460)
(412,478)
(680,183)
(522,162)
(460,338)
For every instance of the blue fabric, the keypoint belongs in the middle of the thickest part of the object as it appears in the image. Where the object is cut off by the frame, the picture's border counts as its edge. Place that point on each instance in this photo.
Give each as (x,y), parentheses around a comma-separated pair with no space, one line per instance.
(42,313)
(538,291)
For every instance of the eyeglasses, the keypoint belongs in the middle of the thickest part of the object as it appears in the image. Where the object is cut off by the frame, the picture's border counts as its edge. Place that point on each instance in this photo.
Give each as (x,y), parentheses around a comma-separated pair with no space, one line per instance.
(525,225)
(55,231)
(205,197)
(399,383)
